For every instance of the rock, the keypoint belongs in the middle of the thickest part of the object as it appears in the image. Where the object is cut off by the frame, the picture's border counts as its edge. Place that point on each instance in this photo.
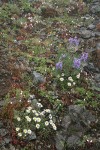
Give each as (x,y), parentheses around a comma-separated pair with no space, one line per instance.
(97,34)
(66,122)
(95,9)
(31,137)
(3,132)
(86,34)
(73,141)
(91,26)
(1,124)
(98,46)
(38,78)
(60,140)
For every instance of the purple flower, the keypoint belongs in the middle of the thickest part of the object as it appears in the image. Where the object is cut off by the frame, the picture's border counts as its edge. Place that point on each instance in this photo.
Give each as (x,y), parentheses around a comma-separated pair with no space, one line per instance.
(74,41)
(84,56)
(59,65)
(77,63)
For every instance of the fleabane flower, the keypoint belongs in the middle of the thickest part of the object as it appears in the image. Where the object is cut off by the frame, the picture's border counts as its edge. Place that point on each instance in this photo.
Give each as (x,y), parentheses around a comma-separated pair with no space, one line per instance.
(28,118)
(39,105)
(28,111)
(25,131)
(69,84)
(29,131)
(70,79)
(17,129)
(37,126)
(18,119)
(78,76)
(34,111)
(50,116)
(20,134)
(29,108)
(47,110)
(51,121)
(46,123)
(61,79)
(38,119)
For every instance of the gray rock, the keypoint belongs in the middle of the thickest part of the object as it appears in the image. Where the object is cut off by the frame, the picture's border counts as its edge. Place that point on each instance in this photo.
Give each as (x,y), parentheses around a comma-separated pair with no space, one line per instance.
(91,26)
(73,141)
(97,34)
(66,122)
(1,124)
(3,132)
(98,46)
(86,34)
(38,78)
(60,140)
(31,137)
(95,9)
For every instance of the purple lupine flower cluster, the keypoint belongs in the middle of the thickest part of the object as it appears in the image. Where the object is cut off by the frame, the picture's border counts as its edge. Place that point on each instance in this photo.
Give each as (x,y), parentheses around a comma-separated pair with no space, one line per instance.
(77,61)
(59,65)
(84,56)
(74,41)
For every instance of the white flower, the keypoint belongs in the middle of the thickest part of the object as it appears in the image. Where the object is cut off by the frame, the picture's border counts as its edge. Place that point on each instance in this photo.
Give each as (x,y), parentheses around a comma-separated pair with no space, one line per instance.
(47,110)
(46,123)
(20,134)
(61,79)
(18,119)
(69,84)
(17,129)
(28,111)
(54,127)
(35,119)
(74,83)
(29,131)
(29,108)
(37,126)
(78,76)
(34,111)
(36,114)
(25,130)
(28,118)
(42,113)
(50,116)
(38,119)
(39,105)
(62,74)
(51,122)
(70,79)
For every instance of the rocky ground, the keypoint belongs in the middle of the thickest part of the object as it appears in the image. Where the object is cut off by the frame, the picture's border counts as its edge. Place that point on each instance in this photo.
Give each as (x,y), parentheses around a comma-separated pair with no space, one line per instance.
(76,118)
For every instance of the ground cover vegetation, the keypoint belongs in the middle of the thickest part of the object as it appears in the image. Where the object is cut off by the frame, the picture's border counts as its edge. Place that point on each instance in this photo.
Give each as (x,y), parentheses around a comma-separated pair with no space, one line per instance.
(44,72)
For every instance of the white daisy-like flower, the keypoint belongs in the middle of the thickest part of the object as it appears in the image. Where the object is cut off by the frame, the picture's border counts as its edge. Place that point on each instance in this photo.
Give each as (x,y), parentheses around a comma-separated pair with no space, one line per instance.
(37,126)
(62,74)
(54,127)
(17,129)
(28,118)
(38,119)
(42,113)
(50,116)
(20,134)
(39,105)
(18,119)
(35,119)
(61,79)
(29,131)
(78,76)
(25,131)
(74,83)
(28,111)
(46,123)
(36,114)
(69,84)
(47,110)
(51,122)
(29,108)
(70,79)
(34,111)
